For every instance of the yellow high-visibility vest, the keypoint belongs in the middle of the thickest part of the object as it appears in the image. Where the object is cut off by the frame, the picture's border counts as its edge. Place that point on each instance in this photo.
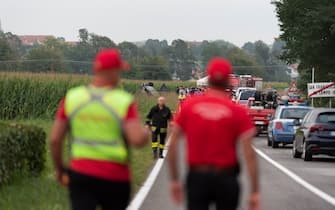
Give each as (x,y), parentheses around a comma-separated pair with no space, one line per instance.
(96,123)
(181,97)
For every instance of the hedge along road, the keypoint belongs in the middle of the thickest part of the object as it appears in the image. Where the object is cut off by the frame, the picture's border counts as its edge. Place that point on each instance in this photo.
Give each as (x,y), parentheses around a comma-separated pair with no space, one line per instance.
(294,185)
(22,148)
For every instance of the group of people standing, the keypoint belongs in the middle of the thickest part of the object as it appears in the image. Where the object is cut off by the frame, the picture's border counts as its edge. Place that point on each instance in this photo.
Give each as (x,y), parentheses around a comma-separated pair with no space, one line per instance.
(192,91)
(103,124)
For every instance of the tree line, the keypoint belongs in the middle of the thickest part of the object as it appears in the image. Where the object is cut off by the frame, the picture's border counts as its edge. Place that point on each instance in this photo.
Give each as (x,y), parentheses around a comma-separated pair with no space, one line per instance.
(153,59)
(308,29)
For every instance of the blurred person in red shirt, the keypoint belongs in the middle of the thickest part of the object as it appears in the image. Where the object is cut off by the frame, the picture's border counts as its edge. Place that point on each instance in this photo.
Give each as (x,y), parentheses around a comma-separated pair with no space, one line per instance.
(103,123)
(213,126)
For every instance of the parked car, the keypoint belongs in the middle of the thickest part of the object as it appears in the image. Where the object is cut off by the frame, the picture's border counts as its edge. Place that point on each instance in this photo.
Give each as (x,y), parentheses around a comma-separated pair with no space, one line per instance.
(315,135)
(281,128)
(242,89)
(245,95)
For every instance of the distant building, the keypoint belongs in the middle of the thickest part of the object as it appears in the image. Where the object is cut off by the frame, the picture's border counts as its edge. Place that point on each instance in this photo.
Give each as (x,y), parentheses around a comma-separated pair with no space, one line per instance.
(72,43)
(30,40)
(193,43)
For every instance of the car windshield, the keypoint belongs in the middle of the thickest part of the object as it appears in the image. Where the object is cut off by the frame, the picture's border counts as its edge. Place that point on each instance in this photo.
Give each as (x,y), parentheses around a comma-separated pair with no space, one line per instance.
(328,117)
(245,95)
(293,113)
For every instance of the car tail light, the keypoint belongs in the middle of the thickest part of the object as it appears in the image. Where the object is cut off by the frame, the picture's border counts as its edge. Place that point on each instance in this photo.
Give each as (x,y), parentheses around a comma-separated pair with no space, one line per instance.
(316,128)
(279,126)
(316,148)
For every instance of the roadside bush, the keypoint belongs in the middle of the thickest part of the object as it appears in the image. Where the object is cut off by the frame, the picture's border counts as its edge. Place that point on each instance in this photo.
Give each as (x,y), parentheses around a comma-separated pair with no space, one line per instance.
(22,151)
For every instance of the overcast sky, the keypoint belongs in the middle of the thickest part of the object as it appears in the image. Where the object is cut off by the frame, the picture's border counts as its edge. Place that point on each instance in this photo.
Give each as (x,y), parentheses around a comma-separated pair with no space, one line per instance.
(237,21)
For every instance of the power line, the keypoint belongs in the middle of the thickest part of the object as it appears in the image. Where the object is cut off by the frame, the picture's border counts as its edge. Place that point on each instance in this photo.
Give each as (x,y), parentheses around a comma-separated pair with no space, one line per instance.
(137,65)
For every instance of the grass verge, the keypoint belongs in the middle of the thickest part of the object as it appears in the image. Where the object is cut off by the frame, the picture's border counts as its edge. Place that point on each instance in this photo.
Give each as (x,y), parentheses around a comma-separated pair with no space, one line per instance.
(43,193)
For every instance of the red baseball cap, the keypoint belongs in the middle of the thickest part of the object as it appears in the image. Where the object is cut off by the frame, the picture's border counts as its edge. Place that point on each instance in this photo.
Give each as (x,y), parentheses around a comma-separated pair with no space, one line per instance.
(218,69)
(109,60)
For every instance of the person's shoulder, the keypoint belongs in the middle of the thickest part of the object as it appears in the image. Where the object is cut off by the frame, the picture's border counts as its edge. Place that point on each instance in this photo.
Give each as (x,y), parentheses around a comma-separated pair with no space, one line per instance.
(123,93)
(195,98)
(76,88)
(75,91)
(155,107)
(239,109)
(193,101)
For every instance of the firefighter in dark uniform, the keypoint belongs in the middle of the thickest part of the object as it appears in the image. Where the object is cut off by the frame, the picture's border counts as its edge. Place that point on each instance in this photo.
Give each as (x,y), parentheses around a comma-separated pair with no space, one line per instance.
(158,118)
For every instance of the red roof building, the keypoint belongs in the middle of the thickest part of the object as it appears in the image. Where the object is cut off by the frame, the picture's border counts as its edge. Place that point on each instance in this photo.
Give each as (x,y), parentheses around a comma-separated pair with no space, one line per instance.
(29,40)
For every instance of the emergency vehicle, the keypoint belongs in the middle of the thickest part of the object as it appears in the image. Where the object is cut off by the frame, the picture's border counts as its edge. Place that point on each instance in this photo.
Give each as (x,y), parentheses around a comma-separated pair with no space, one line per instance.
(237,81)
(261,116)
(251,82)
(292,96)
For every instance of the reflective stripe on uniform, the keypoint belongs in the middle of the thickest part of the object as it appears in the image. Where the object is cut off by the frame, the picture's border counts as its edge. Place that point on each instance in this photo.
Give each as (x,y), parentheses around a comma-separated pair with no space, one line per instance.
(163,130)
(92,142)
(161,146)
(98,98)
(154,144)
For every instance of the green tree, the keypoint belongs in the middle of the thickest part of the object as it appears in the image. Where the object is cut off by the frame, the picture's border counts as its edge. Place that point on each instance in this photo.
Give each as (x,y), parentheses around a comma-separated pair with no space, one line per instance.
(9,51)
(308,28)
(47,57)
(181,60)
(267,60)
(154,68)
(129,50)
(100,42)
(14,43)
(277,48)
(83,35)
(244,63)
(249,48)
(278,68)
(6,52)
(154,47)
(262,52)
(210,50)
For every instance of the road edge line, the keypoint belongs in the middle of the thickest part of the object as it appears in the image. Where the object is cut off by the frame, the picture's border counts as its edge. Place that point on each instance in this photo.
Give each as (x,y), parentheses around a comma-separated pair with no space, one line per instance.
(141,195)
(296,178)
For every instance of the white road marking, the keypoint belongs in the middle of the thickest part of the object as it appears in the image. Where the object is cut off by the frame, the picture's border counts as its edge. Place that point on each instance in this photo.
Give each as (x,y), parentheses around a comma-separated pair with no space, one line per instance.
(296,178)
(139,198)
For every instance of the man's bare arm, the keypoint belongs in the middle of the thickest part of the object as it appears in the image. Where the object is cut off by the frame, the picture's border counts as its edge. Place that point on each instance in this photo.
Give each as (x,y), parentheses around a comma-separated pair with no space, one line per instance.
(137,135)
(173,153)
(251,160)
(58,133)
(176,186)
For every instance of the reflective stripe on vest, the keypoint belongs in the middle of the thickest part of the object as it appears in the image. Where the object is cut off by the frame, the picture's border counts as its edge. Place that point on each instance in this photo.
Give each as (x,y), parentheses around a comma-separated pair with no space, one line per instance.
(95,143)
(96,120)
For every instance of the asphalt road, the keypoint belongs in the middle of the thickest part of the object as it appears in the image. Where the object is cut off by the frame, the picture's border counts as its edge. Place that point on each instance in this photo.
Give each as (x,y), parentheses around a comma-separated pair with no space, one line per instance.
(278,190)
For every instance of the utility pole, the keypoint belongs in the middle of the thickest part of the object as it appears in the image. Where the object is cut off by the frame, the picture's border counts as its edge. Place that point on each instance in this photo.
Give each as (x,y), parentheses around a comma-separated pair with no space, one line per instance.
(313,78)
(330,103)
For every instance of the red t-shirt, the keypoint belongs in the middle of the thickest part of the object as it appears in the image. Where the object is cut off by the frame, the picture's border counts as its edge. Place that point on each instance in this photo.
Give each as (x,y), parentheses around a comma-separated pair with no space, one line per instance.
(98,168)
(212,125)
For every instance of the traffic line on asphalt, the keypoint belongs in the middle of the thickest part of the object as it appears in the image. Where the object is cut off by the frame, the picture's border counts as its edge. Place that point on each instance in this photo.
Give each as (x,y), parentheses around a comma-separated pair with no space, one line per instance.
(139,198)
(296,178)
